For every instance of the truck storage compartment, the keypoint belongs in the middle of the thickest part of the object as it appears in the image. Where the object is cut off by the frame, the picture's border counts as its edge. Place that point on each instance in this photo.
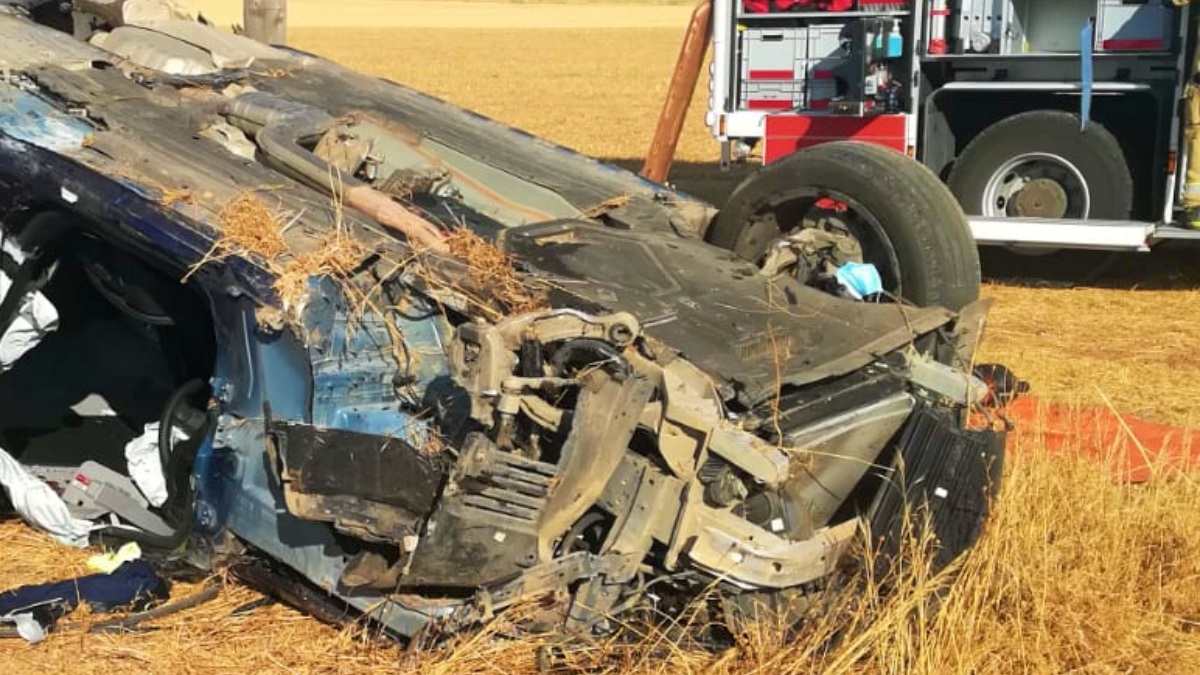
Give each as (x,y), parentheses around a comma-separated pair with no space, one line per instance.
(827,47)
(1038,26)
(771,95)
(773,53)
(1128,26)
(791,67)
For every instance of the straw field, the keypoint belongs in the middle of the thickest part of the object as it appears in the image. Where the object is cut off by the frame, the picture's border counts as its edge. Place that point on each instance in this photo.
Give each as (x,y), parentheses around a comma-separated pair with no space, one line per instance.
(1077,572)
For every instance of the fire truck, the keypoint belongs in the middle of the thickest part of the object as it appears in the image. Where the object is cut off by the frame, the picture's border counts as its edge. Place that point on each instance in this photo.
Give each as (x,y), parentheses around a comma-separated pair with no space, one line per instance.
(1055,123)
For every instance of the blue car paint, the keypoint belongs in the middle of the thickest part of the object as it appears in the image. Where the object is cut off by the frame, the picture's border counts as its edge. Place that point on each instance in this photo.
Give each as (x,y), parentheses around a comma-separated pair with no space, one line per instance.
(355,365)
(345,380)
(30,119)
(255,373)
(350,389)
(48,176)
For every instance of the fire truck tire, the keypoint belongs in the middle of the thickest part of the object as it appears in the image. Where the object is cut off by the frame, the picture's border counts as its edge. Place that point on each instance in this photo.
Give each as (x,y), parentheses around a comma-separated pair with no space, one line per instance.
(1066,173)
(920,238)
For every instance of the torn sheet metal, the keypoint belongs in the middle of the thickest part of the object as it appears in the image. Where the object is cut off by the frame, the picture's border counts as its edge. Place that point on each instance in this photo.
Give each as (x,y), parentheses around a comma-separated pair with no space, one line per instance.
(155,51)
(227,49)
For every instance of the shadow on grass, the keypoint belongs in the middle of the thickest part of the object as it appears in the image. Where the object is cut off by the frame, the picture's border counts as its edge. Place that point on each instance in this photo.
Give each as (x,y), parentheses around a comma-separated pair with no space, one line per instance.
(1169,267)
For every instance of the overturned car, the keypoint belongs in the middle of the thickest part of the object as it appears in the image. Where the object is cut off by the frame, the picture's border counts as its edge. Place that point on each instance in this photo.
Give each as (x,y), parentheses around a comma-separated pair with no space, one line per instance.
(425,366)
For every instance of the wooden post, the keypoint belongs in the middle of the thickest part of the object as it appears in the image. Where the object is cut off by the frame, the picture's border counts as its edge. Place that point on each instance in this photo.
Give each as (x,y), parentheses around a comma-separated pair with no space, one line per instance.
(266,20)
(679,94)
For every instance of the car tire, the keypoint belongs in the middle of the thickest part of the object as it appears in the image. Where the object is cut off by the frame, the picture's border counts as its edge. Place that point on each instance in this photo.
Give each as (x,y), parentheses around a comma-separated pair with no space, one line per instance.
(1093,155)
(919,221)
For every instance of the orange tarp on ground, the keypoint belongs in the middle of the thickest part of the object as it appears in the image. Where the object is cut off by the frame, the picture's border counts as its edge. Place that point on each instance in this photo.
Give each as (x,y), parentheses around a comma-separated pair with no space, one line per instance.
(1138,449)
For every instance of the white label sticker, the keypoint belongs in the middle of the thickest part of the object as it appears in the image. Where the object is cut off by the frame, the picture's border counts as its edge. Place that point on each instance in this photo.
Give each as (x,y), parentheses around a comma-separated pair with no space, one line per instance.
(68,196)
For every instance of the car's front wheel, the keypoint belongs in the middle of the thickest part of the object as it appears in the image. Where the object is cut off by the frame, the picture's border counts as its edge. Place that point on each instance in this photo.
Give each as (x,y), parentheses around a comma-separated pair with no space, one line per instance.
(867,202)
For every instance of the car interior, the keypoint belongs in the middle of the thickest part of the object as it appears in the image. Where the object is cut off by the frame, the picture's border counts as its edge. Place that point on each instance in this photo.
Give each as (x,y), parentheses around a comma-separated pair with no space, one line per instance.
(133,347)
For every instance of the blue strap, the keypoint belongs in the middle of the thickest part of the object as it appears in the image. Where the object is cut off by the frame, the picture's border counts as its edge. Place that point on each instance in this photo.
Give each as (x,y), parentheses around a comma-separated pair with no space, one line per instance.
(1086,74)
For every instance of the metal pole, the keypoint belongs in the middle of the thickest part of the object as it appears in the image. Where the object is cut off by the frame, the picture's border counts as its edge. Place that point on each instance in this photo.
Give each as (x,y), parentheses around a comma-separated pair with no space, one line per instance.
(266,20)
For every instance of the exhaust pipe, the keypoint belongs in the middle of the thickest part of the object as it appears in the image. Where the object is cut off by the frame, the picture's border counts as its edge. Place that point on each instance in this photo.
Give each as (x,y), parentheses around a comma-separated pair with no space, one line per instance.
(280,126)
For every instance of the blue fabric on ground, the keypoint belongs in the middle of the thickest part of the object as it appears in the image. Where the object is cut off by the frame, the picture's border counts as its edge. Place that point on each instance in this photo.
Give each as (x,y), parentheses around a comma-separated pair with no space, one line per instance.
(132,585)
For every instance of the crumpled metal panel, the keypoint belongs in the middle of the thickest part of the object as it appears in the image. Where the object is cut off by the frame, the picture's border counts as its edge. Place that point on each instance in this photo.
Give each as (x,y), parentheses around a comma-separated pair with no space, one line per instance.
(226,49)
(28,44)
(361,376)
(156,51)
(257,515)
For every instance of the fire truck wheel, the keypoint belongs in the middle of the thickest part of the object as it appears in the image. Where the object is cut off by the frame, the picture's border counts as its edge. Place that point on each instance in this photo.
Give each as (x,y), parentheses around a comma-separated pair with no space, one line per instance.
(901,215)
(1040,165)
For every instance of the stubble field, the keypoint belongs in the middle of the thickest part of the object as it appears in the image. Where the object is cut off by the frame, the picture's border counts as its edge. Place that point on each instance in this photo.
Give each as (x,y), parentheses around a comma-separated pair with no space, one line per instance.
(1077,573)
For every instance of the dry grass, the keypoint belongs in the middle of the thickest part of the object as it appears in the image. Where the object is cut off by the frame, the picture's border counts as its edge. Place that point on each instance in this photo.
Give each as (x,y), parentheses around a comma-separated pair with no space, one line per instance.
(1109,585)
(1138,347)
(247,228)
(598,90)
(492,270)
(1077,573)
(337,256)
(250,228)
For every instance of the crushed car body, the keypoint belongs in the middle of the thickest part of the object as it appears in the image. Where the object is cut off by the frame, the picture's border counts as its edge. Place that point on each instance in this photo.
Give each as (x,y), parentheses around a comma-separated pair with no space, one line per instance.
(364,393)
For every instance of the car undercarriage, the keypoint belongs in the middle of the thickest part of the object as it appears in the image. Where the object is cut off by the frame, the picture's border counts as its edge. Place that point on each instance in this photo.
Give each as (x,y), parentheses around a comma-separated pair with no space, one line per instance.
(527,376)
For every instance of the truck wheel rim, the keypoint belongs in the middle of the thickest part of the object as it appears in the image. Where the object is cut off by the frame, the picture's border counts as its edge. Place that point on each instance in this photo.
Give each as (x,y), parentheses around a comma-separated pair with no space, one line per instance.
(1037,185)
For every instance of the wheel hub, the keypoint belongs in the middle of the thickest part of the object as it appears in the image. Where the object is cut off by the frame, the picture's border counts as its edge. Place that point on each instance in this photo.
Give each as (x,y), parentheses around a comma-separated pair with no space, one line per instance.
(1041,198)
(813,250)
(809,234)
(1037,185)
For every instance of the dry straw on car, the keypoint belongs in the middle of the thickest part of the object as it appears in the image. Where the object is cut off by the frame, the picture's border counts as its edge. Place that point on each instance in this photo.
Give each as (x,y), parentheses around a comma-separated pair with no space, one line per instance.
(492,269)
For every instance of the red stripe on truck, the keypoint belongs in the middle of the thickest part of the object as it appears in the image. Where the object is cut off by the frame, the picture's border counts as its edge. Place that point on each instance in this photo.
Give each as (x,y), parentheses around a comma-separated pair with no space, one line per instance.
(786,133)
(1132,45)
(771,75)
(770,104)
